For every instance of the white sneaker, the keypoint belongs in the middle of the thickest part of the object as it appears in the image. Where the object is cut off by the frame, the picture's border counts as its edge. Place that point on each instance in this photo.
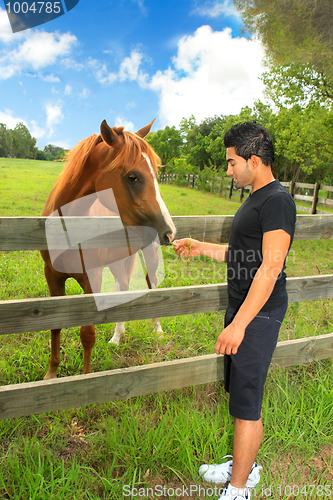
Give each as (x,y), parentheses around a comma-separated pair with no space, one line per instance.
(221,473)
(214,473)
(231,493)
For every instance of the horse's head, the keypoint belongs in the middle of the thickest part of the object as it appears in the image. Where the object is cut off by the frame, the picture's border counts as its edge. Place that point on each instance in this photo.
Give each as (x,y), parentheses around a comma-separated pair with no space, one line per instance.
(128,165)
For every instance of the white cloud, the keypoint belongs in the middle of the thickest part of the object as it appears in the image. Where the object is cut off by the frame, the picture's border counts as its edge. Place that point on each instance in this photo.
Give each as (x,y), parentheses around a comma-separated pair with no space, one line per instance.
(214,9)
(6,34)
(49,78)
(68,90)
(129,68)
(63,144)
(32,50)
(41,49)
(131,105)
(9,120)
(142,6)
(35,130)
(84,93)
(70,63)
(212,74)
(54,116)
(121,122)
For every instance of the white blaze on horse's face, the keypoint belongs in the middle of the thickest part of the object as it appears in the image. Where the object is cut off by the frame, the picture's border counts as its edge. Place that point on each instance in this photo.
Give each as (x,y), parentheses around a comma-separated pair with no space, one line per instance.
(164,211)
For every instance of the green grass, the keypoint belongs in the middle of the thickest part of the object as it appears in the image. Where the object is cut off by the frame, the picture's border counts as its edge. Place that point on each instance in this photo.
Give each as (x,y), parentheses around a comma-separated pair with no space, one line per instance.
(161,439)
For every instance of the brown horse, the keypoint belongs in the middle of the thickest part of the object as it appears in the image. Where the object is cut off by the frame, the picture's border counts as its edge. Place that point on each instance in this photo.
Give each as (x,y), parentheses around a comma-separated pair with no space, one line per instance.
(112,174)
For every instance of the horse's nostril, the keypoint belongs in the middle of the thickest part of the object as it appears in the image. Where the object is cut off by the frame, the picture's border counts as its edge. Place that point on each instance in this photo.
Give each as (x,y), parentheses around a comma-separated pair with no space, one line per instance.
(167,238)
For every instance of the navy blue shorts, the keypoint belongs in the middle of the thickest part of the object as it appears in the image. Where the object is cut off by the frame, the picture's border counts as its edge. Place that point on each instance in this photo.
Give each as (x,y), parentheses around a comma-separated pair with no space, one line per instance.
(245,372)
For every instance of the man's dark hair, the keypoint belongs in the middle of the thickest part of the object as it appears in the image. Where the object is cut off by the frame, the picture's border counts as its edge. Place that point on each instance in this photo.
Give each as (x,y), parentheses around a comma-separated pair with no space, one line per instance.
(249,139)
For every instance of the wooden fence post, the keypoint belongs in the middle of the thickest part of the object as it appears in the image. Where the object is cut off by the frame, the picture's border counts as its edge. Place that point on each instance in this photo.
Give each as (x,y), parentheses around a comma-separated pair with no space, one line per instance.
(315,198)
(292,188)
(221,187)
(230,189)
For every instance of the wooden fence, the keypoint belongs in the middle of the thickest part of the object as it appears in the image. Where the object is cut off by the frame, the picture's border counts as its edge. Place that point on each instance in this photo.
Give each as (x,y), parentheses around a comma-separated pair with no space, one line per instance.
(300,191)
(18,316)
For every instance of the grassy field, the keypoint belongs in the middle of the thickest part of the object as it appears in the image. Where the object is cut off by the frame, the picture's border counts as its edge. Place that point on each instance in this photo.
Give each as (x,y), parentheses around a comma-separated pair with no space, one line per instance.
(110,451)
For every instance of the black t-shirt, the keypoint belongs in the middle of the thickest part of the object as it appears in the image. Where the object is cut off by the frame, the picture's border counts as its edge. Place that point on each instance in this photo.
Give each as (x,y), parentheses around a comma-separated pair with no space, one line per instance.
(267,209)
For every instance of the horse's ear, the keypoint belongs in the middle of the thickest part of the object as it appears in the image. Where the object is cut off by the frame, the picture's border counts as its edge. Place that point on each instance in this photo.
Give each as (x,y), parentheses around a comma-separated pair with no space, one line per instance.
(109,135)
(145,130)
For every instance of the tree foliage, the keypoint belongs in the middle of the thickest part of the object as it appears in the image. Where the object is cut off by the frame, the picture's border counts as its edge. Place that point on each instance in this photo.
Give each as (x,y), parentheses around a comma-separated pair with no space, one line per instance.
(292,83)
(302,137)
(19,143)
(293,31)
(298,38)
(167,143)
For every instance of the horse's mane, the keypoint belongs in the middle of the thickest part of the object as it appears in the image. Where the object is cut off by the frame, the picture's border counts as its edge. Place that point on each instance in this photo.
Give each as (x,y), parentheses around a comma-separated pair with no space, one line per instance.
(135,145)
(77,157)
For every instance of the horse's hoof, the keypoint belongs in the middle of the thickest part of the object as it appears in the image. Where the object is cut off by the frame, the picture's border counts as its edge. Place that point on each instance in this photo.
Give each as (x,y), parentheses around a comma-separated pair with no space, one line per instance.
(50,376)
(114,341)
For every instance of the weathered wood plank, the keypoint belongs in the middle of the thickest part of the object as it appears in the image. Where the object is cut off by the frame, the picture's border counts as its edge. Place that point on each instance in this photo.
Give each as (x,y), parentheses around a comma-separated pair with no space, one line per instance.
(305,350)
(211,228)
(30,398)
(41,233)
(327,188)
(28,233)
(302,197)
(304,209)
(325,201)
(18,316)
(304,185)
(312,227)
(70,392)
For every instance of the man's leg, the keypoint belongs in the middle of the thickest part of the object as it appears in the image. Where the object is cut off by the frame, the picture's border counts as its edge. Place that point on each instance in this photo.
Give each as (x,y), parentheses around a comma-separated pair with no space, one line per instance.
(248,435)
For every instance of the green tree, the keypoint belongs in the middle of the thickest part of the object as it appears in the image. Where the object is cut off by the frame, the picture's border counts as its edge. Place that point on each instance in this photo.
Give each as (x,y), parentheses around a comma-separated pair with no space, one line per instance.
(303,142)
(187,129)
(298,38)
(23,145)
(40,155)
(167,143)
(297,83)
(5,141)
(54,152)
(293,31)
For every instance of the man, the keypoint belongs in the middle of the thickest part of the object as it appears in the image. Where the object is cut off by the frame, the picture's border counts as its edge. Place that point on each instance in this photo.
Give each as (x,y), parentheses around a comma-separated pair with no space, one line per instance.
(261,235)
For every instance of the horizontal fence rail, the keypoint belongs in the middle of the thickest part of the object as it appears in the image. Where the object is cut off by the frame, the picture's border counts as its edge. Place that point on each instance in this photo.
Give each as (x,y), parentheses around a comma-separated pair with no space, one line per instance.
(26,315)
(31,398)
(21,316)
(28,233)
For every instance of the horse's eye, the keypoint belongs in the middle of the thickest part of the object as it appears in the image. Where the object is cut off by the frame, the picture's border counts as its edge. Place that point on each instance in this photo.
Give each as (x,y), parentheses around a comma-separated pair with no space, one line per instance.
(133,178)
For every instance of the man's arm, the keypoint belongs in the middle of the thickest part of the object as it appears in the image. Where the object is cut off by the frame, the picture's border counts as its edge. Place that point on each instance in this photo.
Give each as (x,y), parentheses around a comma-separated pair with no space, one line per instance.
(188,247)
(275,247)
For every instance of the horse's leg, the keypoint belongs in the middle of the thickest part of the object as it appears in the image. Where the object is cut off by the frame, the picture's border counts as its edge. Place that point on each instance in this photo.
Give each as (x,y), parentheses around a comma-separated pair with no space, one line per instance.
(152,260)
(87,333)
(122,272)
(156,321)
(57,288)
(119,330)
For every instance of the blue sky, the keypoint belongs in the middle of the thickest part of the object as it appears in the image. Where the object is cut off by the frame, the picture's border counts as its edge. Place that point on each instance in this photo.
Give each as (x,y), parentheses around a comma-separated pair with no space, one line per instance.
(126,61)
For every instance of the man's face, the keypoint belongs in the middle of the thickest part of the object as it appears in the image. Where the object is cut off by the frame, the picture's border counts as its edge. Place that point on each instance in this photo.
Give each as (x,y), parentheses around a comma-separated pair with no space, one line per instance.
(239,169)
